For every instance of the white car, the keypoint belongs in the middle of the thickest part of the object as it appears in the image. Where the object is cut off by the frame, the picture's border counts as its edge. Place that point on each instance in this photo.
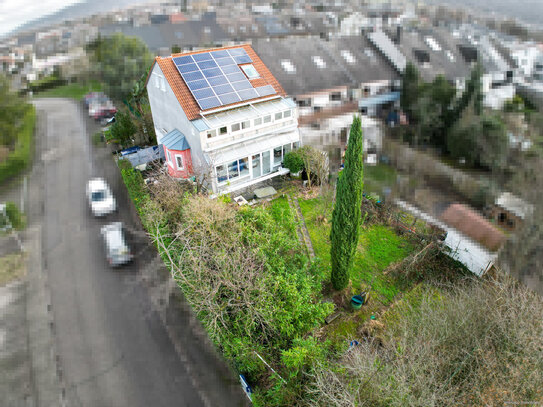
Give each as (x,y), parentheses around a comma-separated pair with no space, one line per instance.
(117,251)
(100,198)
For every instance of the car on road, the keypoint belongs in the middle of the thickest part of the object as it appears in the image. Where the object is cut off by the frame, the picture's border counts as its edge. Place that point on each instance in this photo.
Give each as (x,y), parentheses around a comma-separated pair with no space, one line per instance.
(117,251)
(101,200)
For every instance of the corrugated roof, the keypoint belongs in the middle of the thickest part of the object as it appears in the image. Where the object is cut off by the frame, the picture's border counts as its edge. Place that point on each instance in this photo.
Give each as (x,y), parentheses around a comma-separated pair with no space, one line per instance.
(183,94)
(175,140)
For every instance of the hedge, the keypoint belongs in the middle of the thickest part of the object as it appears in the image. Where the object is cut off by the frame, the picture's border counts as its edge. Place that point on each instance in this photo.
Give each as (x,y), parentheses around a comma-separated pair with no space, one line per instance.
(21,157)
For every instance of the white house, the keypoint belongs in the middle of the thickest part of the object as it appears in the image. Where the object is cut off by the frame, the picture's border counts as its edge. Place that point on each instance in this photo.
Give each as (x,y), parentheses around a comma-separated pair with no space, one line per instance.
(234,116)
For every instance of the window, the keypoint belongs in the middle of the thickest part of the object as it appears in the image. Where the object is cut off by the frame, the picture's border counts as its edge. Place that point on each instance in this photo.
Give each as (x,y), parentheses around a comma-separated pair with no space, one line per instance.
(162,84)
(278,115)
(211,133)
(179,161)
(250,71)
(170,161)
(335,96)
(287,113)
(267,119)
(223,130)
(295,145)
(157,81)
(277,155)
(258,121)
(236,127)
(245,124)
(222,174)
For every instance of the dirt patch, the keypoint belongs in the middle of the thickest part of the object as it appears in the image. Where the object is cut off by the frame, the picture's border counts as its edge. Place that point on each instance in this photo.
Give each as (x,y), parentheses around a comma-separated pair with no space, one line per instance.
(12,266)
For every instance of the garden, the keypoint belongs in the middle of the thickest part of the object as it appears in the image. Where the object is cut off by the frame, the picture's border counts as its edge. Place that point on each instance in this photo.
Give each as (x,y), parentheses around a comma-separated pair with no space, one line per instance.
(427,333)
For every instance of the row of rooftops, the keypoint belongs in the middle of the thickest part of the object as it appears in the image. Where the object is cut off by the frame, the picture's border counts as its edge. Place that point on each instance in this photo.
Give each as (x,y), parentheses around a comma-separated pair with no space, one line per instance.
(304,65)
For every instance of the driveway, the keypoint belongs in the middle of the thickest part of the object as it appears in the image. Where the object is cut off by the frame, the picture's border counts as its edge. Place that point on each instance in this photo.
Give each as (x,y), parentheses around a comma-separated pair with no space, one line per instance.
(124,337)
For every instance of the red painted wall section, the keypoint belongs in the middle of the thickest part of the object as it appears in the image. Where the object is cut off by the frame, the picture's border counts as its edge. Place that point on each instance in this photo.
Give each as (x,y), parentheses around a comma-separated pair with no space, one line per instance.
(173,169)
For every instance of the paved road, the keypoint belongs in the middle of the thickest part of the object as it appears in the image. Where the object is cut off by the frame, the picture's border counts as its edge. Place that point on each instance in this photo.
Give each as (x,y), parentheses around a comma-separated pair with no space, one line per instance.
(113,347)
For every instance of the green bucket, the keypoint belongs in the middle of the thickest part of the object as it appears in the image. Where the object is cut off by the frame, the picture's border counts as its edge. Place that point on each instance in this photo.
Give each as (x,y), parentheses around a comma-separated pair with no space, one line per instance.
(357,301)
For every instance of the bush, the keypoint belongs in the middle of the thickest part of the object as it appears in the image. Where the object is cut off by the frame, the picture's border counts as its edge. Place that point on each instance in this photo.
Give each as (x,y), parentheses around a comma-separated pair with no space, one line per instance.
(293,161)
(135,185)
(16,218)
(21,157)
(46,83)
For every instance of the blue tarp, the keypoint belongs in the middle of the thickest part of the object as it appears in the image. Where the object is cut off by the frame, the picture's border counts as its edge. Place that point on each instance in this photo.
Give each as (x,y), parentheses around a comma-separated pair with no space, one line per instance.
(379,99)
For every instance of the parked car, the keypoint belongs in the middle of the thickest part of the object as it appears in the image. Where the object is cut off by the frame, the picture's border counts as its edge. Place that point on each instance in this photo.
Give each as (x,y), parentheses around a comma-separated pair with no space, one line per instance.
(90,97)
(117,251)
(101,200)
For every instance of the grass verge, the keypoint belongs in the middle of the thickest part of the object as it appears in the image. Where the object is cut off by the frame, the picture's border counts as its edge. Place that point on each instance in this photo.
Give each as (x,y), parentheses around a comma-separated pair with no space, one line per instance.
(72,90)
(12,266)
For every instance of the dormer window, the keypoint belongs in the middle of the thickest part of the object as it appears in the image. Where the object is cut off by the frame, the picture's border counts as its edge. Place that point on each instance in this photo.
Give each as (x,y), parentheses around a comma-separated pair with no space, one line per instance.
(250,71)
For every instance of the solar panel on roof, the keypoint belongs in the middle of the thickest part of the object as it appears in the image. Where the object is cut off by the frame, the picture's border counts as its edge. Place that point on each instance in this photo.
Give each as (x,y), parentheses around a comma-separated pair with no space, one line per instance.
(207,64)
(218,80)
(215,79)
(209,103)
(219,54)
(222,89)
(208,73)
(265,90)
(230,69)
(245,59)
(203,93)
(202,57)
(237,52)
(182,60)
(187,68)
(192,76)
(225,61)
(228,98)
(197,84)
(235,77)
(247,94)
(242,85)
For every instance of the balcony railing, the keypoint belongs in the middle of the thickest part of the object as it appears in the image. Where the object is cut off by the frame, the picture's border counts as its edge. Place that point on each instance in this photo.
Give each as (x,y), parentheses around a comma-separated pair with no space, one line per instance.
(209,144)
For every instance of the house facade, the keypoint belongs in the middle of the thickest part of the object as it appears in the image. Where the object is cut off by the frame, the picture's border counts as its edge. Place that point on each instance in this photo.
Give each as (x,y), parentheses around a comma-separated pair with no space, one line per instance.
(233,116)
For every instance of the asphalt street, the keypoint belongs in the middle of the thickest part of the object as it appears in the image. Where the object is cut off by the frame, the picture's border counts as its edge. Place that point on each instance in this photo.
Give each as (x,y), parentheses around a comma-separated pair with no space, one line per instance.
(113,346)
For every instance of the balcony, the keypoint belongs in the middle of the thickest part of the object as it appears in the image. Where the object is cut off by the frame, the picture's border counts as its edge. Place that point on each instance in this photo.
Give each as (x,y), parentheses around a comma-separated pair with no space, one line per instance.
(214,143)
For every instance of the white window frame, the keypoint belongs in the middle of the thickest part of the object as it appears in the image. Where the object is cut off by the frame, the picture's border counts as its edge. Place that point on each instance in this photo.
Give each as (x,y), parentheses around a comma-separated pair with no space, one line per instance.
(249,76)
(170,161)
(177,163)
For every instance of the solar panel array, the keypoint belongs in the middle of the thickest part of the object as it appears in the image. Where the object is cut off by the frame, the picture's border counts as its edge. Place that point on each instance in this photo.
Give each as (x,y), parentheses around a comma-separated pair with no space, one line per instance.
(215,78)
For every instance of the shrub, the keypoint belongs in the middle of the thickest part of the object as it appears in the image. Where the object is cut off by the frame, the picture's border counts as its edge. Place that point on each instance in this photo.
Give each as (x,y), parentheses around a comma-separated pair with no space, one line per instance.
(293,161)
(21,157)
(16,217)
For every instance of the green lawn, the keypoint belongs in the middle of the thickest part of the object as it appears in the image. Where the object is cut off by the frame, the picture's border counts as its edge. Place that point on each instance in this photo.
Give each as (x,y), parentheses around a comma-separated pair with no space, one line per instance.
(378,247)
(72,90)
(377,177)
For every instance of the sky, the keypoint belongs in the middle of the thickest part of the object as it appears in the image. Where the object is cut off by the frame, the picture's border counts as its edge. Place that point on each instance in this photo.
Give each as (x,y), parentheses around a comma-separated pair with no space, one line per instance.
(14,13)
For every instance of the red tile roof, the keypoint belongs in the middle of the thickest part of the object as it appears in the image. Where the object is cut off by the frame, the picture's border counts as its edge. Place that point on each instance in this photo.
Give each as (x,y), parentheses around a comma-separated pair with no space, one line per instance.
(182,92)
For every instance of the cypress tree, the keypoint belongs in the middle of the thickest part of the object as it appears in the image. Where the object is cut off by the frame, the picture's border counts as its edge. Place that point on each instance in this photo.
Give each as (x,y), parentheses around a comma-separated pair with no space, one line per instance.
(346,214)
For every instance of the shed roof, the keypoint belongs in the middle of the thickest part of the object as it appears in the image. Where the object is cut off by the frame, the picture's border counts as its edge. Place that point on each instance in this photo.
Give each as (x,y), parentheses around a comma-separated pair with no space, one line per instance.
(175,140)
(473,225)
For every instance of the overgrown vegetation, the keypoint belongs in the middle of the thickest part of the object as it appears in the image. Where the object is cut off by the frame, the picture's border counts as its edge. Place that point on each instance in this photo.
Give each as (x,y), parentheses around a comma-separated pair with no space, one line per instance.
(475,343)
(17,120)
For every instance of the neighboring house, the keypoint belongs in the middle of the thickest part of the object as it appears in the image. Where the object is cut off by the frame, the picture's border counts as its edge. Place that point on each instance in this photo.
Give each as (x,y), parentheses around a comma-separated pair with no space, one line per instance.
(509,211)
(221,112)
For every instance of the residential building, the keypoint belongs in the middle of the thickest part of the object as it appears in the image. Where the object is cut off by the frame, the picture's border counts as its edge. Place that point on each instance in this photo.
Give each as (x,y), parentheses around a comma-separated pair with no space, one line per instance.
(225,105)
